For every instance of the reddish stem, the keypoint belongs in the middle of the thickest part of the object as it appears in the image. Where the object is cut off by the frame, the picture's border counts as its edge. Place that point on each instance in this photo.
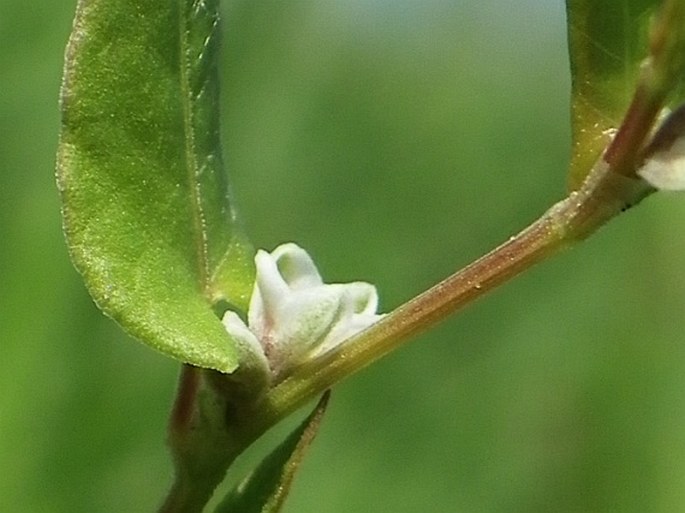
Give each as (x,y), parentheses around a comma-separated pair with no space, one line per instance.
(184,404)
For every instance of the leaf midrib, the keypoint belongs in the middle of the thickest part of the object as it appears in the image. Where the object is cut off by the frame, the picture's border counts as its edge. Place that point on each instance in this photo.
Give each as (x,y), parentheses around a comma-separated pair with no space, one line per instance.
(198,217)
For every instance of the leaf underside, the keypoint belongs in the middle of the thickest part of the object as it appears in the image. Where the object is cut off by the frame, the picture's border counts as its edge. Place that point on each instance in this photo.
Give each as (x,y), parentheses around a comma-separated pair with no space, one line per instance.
(607,40)
(146,209)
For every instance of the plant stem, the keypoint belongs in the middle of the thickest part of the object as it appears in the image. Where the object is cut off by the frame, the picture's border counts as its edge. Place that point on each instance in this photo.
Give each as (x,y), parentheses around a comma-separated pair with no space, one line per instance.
(658,75)
(184,403)
(610,188)
(200,442)
(604,194)
(185,497)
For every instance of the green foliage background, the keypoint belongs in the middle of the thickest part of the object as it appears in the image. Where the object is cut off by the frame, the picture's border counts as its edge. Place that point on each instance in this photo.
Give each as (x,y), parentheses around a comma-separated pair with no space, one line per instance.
(396,141)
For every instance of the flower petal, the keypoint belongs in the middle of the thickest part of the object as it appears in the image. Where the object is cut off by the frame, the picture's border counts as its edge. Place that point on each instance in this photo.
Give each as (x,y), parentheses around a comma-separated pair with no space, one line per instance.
(358,312)
(361,298)
(293,315)
(664,166)
(296,267)
(302,324)
(247,341)
(665,169)
(270,290)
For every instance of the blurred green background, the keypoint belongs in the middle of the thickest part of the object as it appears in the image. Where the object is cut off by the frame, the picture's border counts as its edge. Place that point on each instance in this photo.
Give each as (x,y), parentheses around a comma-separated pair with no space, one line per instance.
(396,141)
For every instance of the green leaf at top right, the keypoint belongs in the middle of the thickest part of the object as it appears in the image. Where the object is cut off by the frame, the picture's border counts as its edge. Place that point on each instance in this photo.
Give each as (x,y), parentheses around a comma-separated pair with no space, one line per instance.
(607,40)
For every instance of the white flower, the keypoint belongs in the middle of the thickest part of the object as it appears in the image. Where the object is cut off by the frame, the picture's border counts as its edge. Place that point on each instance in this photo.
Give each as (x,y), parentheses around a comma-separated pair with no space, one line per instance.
(293,316)
(664,167)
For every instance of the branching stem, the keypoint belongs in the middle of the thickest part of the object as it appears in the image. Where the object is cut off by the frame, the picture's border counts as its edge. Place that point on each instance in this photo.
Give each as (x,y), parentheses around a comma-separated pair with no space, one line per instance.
(610,188)
(604,195)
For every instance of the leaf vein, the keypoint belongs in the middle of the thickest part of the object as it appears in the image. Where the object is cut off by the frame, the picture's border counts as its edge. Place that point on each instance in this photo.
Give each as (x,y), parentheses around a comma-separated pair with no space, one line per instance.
(192,165)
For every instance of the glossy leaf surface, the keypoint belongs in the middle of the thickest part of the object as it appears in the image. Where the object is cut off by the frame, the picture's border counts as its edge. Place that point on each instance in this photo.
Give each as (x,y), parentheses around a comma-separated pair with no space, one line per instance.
(266,488)
(146,209)
(607,41)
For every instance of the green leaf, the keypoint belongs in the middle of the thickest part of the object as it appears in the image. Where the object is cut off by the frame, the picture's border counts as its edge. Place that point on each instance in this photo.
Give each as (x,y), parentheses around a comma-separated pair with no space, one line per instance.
(146,209)
(664,74)
(607,41)
(266,488)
